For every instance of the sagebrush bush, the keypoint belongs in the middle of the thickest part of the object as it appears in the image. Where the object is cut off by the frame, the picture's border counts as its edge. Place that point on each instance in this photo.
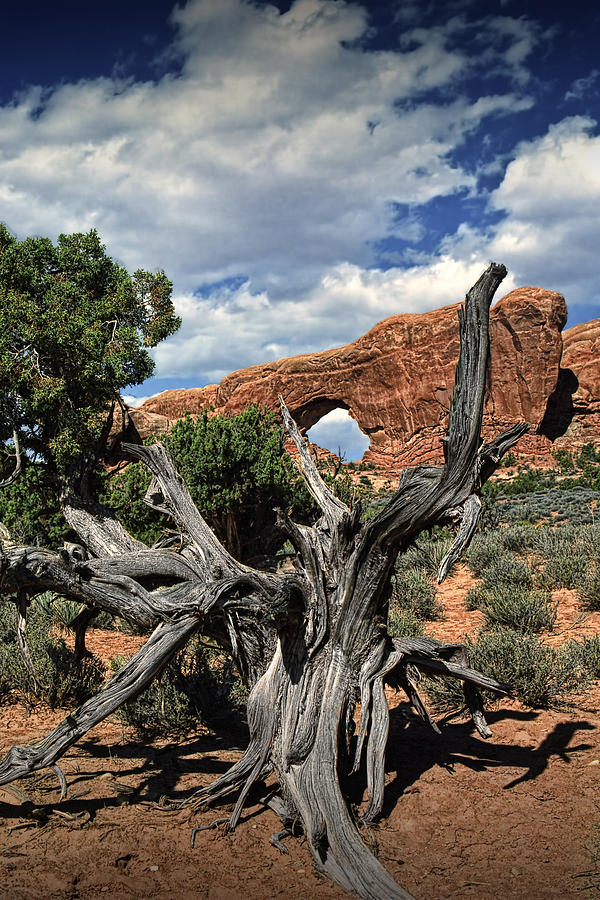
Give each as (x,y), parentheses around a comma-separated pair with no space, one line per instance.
(518,538)
(63,679)
(507,569)
(197,685)
(540,676)
(485,548)
(564,570)
(488,546)
(475,596)
(590,540)
(413,589)
(574,504)
(589,649)
(404,623)
(588,589)
(516,607)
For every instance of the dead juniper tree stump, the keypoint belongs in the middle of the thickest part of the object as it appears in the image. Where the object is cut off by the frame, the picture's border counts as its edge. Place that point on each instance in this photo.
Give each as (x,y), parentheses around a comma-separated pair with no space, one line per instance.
(310,644)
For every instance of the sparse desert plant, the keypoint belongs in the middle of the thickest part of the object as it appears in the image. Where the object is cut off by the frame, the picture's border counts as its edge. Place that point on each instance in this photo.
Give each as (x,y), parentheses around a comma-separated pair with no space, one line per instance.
(541,676)
(588,589)
(576,503)
(516,607)
(428,552)
(564,570)
(475,596)
(564,459)
(196,686)
(507,569)
(590,541)
(60,677)
(518,539)
(589,648)
(403,622)
(413,590)
(588,454)
(484,549)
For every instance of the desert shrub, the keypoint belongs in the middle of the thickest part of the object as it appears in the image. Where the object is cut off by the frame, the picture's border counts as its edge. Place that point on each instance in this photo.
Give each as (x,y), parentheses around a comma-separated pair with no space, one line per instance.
(516,607)
(484,549)
(404,622)
(413,590)
(428,552)
(527,481)
(588,589)
(487,546)
(588,454)
(63,679)
(576,503)
(564,570)
(552,541)
(507,569)
(475,596)
(589,650)
(518,538)
(198,685)
(564,459)
(590,541)
(540,676)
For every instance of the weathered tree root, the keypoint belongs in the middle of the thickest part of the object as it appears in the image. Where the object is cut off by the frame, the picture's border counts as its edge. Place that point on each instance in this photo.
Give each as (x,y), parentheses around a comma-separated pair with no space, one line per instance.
(309,645)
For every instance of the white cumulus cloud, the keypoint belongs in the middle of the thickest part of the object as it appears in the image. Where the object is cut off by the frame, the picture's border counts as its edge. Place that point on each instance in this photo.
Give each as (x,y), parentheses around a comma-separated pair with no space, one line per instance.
(261,172)
(549,198)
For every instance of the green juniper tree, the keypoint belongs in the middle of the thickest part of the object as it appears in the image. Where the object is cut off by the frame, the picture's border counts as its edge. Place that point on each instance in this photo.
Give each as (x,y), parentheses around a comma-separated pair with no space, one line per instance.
(237,473)
(75,328)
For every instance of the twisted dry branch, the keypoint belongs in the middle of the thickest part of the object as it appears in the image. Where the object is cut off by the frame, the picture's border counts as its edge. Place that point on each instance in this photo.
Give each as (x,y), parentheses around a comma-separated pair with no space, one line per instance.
(309,644)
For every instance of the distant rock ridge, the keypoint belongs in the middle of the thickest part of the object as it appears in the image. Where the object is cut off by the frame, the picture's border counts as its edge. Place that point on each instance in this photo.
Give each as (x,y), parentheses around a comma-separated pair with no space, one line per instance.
(397,379)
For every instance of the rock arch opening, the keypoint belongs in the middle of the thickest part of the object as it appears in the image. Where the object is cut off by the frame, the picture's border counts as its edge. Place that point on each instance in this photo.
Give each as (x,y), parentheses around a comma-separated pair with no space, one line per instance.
(337,431)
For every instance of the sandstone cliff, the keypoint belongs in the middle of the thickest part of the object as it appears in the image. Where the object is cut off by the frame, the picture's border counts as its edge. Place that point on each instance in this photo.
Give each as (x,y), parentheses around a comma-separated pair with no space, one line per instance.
(580,377)
(396,382)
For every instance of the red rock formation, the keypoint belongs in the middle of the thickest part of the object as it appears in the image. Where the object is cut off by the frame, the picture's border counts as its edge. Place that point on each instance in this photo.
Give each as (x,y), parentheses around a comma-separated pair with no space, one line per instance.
(580,374)
(396,380)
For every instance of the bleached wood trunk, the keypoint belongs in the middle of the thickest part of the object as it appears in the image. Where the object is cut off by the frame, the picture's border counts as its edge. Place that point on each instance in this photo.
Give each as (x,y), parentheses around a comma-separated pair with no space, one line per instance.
(311,644)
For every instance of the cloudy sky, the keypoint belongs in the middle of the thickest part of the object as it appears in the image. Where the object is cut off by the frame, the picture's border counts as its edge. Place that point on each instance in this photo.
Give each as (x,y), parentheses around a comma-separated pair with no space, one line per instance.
(302,170)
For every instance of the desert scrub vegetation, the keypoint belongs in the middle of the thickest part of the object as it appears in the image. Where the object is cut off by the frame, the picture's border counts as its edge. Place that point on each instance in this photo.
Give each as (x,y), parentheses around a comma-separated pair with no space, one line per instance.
(542,534)
(428,552)
(540,676)
(414,593)
(522,610)
(506,595)
(198,686)
(59,677)
(499,547)
(577,505)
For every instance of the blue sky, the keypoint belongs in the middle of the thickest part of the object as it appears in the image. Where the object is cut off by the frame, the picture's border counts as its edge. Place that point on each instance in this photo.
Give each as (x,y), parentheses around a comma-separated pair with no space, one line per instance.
(302,170)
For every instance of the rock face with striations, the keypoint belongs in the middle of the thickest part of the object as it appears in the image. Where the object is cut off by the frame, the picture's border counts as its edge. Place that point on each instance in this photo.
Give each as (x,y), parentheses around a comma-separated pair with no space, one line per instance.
(396,380)
(580,380)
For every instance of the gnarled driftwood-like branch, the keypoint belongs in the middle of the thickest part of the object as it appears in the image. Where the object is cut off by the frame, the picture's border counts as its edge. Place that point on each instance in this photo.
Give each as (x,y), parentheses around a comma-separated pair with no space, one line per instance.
(310,644)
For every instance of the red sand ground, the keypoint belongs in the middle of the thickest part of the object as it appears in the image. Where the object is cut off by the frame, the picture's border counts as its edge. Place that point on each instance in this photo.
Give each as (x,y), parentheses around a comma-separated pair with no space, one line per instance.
(464,817)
